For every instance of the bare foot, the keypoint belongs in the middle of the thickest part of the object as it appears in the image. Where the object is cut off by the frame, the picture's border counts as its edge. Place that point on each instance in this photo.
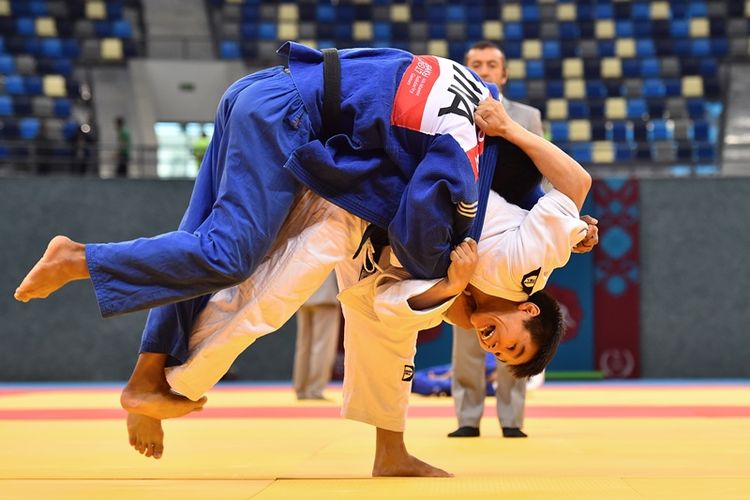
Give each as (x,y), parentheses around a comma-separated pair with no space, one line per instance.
(146,435)
(63,261)
(392,459)
(158,403)
(407,466)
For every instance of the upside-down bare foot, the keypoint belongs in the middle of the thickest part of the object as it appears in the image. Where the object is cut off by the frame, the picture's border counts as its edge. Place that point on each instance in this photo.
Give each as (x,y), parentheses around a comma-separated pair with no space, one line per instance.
(63,261)
(407,466)
(158,403)
(392,459)
(146,435)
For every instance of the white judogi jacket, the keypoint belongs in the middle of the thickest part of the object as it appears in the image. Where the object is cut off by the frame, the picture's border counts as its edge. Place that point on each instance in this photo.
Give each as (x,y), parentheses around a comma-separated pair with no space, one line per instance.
(381,329)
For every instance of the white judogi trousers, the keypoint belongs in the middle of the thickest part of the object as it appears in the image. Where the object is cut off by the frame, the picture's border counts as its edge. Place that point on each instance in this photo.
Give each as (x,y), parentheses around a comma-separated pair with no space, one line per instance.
(316,238)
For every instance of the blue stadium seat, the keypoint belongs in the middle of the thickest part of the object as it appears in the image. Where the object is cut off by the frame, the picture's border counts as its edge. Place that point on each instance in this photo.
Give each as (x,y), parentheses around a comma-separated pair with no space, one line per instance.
(51,47)
(700,131)
(697,9)
(624,28)
(680,28)
(114,9)
(559,131)
(229,49)
(704,152)
(37,8)
(640,11)
(642,29)
(602,10)
(631,68)
(654,87)
(673,87)
(619,131)
(25,26)
(62,107)
(658,130)
(581,151)
(578,108)
(569,31)
(530,12)
(15,85)
(7,64)
(696,108)
(596,89)
(650,68)
(326,13)
(535,68)
(513,31)
(555,88)
(29,128)
(6,106)
(267,30)
(551,49)
(71,49)
(719,47)
(70,129)
(636,108)
(33,85)
(645,48)
(606,48)
(121,29)
(103,29)
(623,151)
(516,90)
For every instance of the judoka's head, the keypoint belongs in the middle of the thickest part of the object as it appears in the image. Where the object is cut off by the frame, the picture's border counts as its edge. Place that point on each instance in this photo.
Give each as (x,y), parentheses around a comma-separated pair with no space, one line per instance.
(523,335)
(487,61)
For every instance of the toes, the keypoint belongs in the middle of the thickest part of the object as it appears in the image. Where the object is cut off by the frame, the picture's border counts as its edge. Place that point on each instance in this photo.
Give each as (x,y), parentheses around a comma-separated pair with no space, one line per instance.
(140,447)
(149,449)
(158,451)
(202,401)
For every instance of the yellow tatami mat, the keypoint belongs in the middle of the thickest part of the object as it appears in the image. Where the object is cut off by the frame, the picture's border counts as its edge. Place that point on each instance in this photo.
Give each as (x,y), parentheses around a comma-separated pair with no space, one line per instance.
(596,440)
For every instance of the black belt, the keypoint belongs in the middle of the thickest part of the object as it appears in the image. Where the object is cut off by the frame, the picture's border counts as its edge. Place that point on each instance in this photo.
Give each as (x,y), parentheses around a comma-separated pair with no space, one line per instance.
(331,118)
(331,114)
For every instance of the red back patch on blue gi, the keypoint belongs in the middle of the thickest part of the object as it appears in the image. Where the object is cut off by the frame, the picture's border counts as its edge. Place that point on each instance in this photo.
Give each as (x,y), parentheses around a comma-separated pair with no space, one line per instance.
(437,96)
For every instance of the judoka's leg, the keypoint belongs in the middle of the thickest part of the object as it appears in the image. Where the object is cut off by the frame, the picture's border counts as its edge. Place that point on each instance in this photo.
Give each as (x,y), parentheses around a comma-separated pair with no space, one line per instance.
(262,122)
(378,366)
(315,236)
(377,384)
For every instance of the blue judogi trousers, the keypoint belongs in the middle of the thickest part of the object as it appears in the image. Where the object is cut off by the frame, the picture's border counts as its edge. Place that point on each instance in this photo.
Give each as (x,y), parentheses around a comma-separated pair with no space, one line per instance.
(240,199)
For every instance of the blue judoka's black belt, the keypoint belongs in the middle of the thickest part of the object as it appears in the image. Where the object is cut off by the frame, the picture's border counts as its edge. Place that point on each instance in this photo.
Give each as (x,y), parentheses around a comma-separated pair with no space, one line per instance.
(331,118)
(331,115)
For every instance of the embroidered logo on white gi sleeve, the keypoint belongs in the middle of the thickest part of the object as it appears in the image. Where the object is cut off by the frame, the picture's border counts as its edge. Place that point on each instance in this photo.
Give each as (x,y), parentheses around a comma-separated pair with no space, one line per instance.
(437,96)
(529,280)
(408,373)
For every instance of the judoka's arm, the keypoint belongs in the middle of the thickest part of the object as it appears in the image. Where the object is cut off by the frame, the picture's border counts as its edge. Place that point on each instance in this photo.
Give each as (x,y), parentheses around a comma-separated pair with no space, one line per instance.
(464,259)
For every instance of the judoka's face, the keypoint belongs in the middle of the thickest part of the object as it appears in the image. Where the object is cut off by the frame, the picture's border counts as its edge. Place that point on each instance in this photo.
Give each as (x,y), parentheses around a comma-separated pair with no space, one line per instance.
(489,64)
(501,331)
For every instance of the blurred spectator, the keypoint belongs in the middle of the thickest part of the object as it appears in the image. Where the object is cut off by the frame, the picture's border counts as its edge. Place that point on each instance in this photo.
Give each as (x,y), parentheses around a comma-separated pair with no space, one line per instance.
(200,145)
(122,154)
(469,383)
(317,335)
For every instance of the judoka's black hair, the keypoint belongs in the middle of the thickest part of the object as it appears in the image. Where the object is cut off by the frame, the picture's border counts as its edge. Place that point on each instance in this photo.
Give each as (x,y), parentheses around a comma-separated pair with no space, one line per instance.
(547,330)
